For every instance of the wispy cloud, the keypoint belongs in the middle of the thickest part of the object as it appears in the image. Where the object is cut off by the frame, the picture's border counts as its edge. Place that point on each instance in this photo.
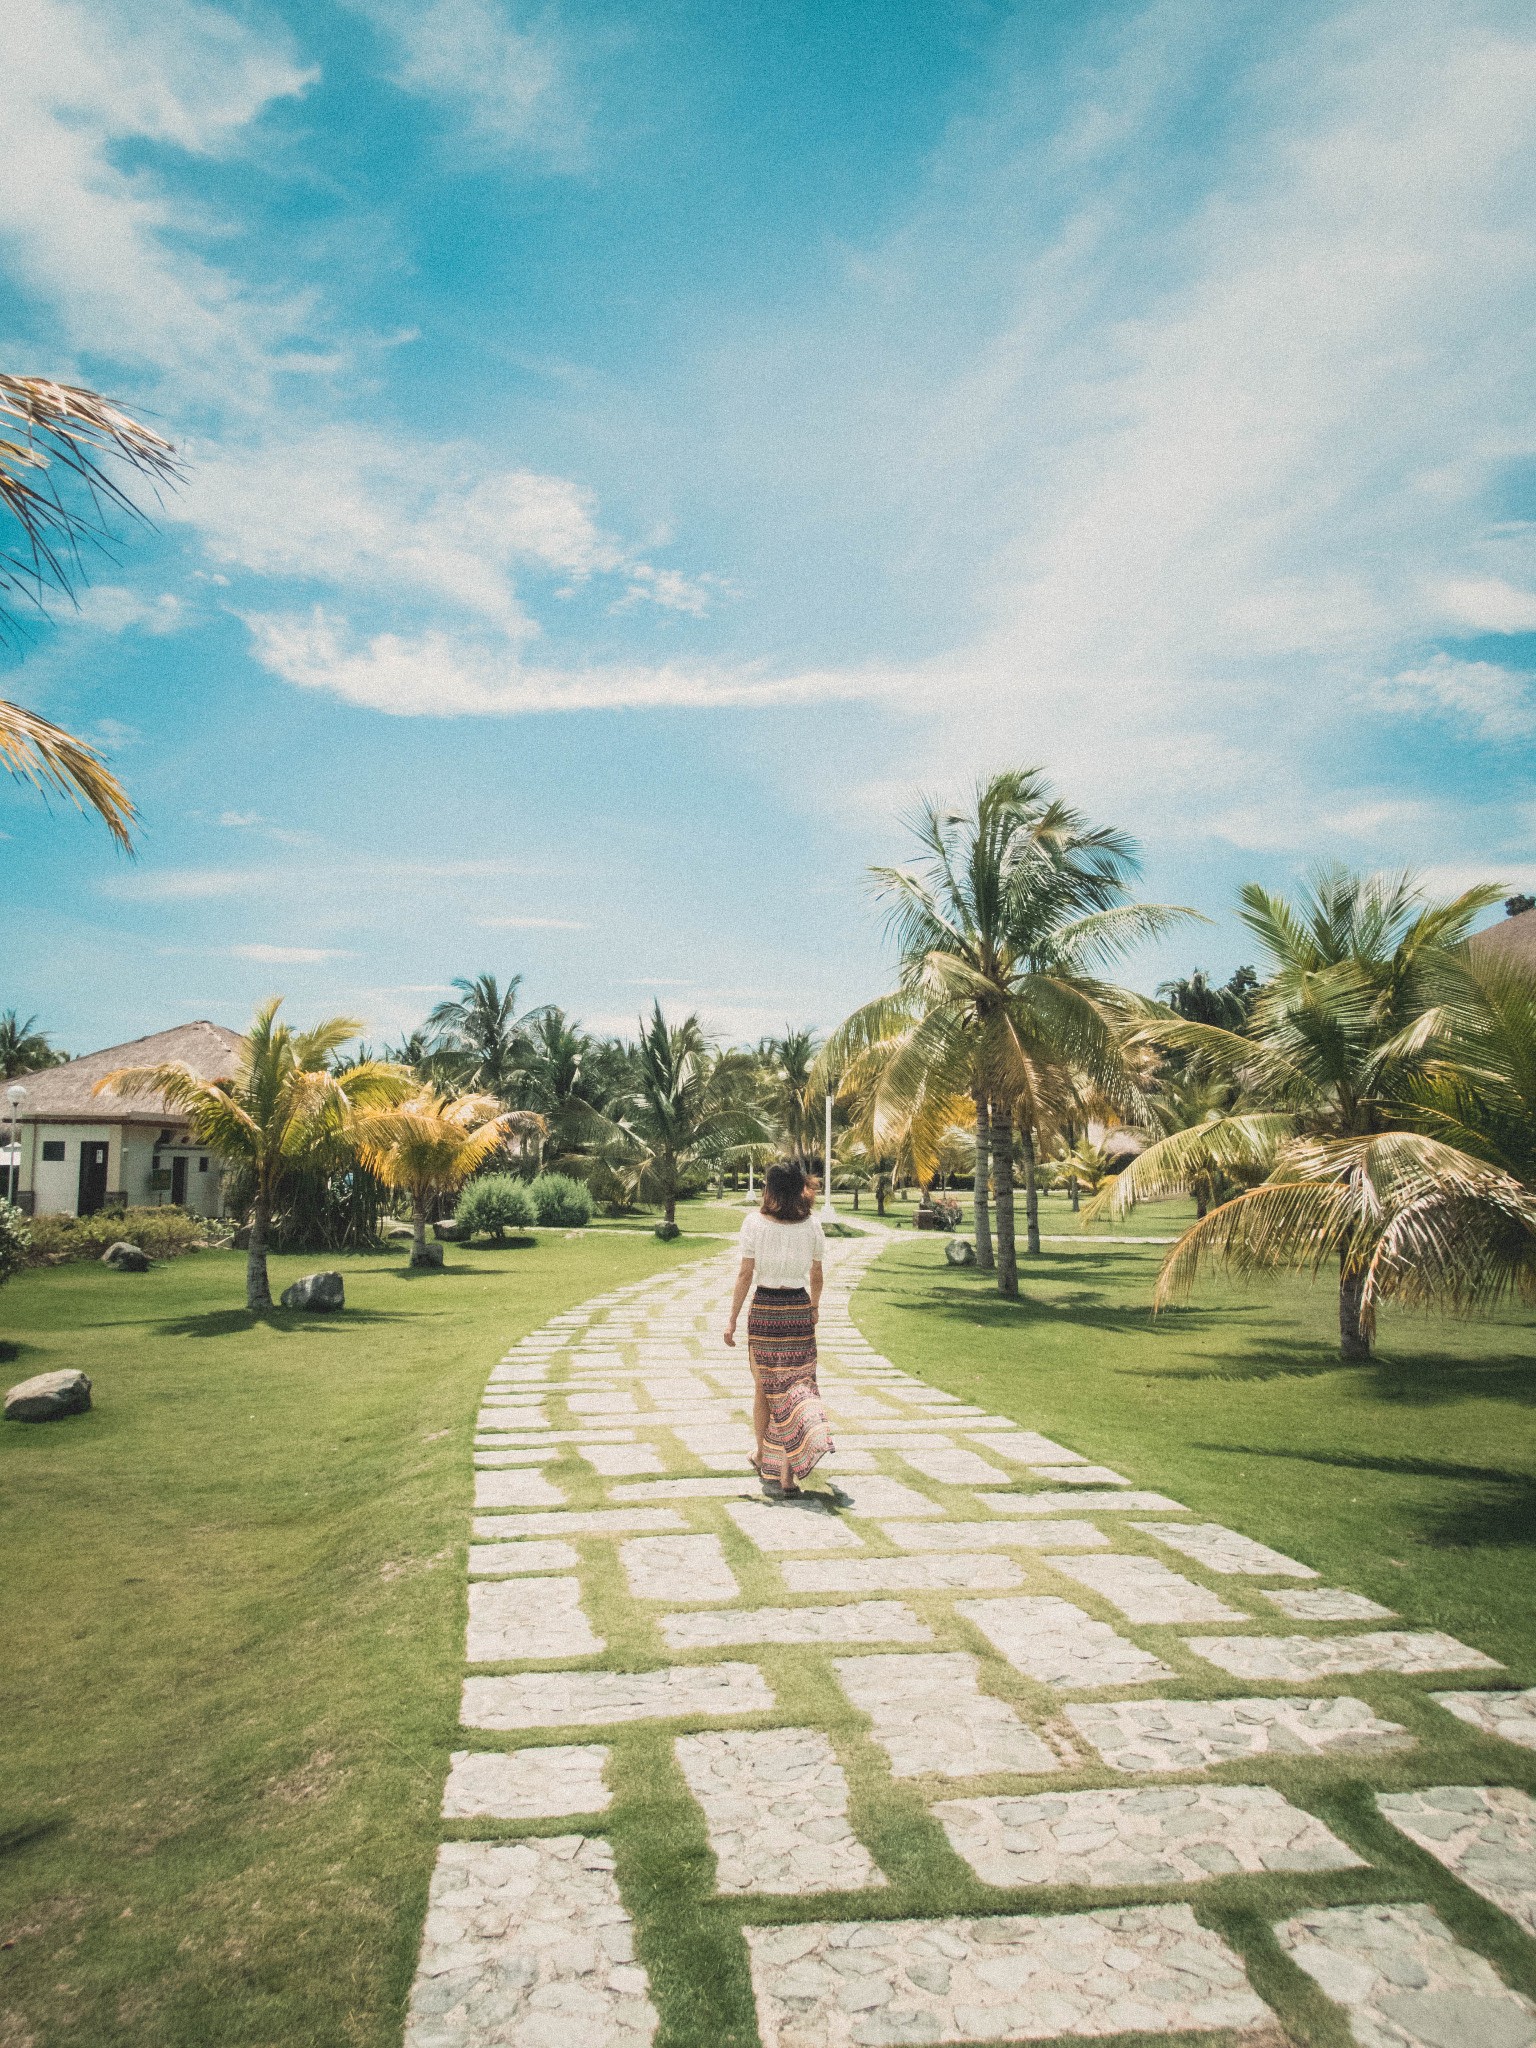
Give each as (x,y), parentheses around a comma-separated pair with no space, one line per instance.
(531,924)
(1479,696)
(181,885)
(288,956)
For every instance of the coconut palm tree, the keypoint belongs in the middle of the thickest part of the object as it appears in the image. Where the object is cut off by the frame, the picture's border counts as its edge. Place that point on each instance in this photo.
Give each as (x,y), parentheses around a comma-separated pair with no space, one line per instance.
(1015,902)
(690,1106)
(282,1106)
(481,1026)
(23,1048)
(55,442)
(785,1065)
(1365,1038)
(428,1145)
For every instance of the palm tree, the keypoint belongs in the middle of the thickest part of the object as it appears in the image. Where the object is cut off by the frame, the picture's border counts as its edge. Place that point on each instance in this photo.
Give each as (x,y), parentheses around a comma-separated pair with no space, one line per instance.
(689,1108)
(1016,900)
(1365,1036)
(785,1065)
(1194,997)
(1083,1167)
(23,1048)
(556,1083)
(429,1145)
(55,484)
(481,1025)
(281,1107)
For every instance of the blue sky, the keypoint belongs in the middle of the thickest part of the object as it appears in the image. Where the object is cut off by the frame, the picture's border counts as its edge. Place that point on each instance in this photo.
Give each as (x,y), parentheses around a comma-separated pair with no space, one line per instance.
(633,450)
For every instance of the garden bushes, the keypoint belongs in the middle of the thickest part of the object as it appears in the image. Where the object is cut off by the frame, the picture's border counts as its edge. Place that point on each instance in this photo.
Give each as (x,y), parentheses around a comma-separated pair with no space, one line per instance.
(493,1205)
(560,1201)
(163,1233)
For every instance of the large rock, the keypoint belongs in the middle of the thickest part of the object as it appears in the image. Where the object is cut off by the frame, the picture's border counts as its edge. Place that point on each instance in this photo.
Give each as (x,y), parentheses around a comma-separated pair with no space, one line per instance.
(449,1231)
(321,1292)
(428,1255)
(123,1257)
(960,1252)
(47,1397)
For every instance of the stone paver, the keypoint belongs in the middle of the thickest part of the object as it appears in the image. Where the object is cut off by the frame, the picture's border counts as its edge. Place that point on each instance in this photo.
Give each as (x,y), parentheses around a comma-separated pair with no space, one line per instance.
(1041,1535)
(517,1490)
(618,1461)
(1174,1834)
(776,1809)
(580,1522)
(511,1620)
(1327,1603)
(930,1715)
(787,1528)
(1056,1643)
(501,1560)
(955,1466)
(1191,1735)
(526,1784)
(1079,1475)
(1404,1981)
(1021,1977)
(578,1699)
(1303,1657)
(880,1496)
(1066,1501)
(935,1572)
(1028,1447)
(1510,1714)
(677,1568)
(1222,1550)
(496,1461)
(861,1621)
(1144,1589)
(527,1942)
(747,1485)
(1483,1834)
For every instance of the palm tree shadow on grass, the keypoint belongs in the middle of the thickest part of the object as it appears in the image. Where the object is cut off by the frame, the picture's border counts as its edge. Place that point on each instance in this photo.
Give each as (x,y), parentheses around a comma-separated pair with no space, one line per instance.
(1083,1304)
(230,1322)
(1502,1513)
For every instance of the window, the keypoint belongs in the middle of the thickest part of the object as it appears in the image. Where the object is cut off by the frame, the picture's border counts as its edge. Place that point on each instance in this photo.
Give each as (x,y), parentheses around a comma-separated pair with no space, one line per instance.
(202,1166)
(53,1148)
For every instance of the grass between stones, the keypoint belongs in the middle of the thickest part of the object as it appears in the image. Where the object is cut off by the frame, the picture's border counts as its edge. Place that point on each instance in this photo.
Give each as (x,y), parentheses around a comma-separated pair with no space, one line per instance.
(248,1750)
(232,1611)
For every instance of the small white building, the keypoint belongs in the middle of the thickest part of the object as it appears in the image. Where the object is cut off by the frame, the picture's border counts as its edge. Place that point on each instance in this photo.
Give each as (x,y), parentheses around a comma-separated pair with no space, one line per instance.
(81,1152)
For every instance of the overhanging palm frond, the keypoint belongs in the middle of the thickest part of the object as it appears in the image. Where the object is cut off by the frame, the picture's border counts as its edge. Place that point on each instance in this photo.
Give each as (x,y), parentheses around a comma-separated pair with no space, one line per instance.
(55,762)
(1240,1147)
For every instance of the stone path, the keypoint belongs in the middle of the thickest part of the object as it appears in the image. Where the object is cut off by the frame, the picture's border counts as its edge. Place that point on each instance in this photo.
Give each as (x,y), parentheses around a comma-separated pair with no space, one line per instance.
(979,1624)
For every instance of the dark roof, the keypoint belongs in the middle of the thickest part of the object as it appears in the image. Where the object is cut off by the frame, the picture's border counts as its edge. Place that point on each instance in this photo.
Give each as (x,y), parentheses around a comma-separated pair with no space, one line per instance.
(1511,942)
(67,1092)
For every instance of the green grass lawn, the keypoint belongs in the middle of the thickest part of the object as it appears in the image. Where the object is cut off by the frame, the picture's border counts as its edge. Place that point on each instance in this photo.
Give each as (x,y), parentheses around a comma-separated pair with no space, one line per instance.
(232,1611)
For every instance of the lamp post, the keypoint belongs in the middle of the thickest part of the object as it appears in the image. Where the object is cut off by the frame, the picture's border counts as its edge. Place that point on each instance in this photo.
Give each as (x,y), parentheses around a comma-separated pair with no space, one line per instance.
(15,1095)
(828,1213)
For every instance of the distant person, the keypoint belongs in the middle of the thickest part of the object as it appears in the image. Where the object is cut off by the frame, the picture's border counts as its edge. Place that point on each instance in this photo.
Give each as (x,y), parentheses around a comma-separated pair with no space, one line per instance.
(782,1250)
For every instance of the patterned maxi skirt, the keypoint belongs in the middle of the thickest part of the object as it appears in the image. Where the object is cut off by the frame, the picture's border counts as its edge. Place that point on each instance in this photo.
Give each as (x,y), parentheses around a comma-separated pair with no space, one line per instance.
(781,1342)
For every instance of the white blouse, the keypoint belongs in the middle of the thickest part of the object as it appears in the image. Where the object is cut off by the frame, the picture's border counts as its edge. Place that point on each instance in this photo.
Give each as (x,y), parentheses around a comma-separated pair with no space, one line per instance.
(782,1253)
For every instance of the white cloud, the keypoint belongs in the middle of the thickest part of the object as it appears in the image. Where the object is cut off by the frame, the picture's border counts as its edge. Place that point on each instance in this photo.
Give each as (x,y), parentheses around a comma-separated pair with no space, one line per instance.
(506,82)
(287,956)
(442,675)
(531,924)
(111,609)
(1488,605)
(1482,697)
(308,879)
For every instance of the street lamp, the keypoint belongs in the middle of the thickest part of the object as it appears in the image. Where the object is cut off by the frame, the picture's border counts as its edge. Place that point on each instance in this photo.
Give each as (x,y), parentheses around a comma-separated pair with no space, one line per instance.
(15,1095)
(828,1213)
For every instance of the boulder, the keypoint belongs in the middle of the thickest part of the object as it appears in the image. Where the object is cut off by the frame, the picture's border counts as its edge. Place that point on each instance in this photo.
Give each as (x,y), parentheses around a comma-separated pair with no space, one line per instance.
(429,1255)
(321,1292)
(667,1231)
(449,1232)
(123,1257)
(394,1226)
(47,1397)
(960,1252)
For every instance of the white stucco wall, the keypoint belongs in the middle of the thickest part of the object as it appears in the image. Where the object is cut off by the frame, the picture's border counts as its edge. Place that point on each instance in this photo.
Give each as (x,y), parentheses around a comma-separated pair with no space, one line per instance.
(130,1162)
(56,1183)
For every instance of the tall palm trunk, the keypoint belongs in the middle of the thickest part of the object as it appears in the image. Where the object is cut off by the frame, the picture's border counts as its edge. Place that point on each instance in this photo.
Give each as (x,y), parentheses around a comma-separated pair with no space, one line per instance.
(669,1207)
(982,1187)
(258,1288)
(1031,1189)
(419,1230)
(1353,1342)
(1002,1166)
(1077,1195)
(879,1197)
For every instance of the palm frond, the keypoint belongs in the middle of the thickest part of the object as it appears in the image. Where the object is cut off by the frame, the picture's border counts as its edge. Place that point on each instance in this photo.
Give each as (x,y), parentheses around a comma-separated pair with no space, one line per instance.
(54,761)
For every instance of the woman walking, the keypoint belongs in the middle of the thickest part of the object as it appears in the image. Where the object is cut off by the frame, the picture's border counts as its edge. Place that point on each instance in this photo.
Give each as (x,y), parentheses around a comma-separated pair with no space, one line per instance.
(782,1249)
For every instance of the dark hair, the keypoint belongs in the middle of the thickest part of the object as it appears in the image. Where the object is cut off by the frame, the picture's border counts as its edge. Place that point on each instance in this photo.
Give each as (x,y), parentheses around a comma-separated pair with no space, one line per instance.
(785,1193)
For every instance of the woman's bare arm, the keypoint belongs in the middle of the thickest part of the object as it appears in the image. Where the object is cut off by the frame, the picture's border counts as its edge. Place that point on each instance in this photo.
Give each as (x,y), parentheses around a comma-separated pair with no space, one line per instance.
(743,1289)
(815,1290)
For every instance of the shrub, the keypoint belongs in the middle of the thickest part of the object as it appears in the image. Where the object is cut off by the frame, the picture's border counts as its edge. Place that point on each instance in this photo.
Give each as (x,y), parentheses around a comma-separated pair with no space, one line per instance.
(15,1238)
(559,1200)
(163,1233)
(493,1205)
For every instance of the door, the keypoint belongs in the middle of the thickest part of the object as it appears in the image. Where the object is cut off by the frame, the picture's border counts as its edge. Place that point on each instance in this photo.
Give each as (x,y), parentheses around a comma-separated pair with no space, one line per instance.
(93,1178)
(179,1180)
